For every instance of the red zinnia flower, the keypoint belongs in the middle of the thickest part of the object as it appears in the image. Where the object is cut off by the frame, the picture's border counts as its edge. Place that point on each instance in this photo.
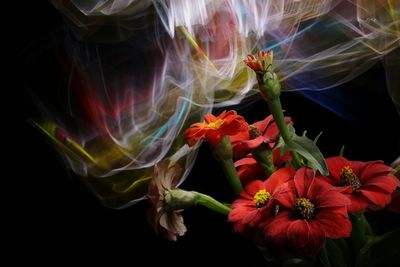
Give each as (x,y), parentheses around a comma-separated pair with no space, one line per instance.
(308,213)
(215,128)
(365,183)
(250,170)
(261,62)
(256,198)
(265,131)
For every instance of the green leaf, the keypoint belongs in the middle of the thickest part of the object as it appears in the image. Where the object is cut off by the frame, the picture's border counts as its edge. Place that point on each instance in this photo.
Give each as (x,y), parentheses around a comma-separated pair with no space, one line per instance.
(336,255)
(380,250)
(341,153)
(358,237)
(292,131)
(317,138)
(309,150)
(323,257)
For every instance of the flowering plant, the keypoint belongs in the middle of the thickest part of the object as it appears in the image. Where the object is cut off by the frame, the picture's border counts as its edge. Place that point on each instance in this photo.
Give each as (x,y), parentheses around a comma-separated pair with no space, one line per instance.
(142,78)
(298,206)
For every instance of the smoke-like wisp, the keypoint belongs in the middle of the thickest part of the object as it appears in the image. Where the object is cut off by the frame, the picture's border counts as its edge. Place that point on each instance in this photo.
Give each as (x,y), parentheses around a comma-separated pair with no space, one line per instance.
(141,71)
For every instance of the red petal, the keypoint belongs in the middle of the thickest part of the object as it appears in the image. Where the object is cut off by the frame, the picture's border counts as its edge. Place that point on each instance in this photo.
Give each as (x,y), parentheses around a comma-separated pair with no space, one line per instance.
(303,180)
(245,174)
(375,195)
(246,195)
(334,224)
(387,182)
(278,178)
(235,126)
(238,214)
(192,135)
(210,118)
(239,149)
(254,143)
(280,160)
(317,237)
(276,230)
(272,131)
(214,137)
(240,202)
(255,186)
(329,180)
(332,198)
(358,166)
(358,203)
(262,125)
(242,135)
(229,116)
(252,217)
(226,114)
(298,233)
(315,186)
(335,166)
(245,161)
(288,198)
(372,169)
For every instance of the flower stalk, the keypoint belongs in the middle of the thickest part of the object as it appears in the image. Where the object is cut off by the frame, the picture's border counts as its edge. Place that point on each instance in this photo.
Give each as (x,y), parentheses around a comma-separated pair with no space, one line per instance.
(270,89)
(178,199)
(223,153)
(275,107)
(361,229)
(263,156)
(212,204)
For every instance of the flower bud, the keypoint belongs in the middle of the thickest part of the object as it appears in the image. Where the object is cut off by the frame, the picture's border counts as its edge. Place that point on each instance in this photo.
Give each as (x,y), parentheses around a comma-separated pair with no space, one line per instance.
(269,85)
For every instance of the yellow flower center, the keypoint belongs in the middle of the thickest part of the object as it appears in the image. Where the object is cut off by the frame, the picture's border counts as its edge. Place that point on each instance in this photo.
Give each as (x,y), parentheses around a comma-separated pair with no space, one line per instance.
(215,125)
(348,177)
(261,198)
(304,208)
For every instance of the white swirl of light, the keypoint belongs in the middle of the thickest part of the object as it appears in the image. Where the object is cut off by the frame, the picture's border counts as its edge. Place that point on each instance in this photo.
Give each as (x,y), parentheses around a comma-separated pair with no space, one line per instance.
(142,98)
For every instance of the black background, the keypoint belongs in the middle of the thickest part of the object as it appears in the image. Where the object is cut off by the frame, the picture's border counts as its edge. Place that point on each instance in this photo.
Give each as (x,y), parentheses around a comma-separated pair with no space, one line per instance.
(47,218)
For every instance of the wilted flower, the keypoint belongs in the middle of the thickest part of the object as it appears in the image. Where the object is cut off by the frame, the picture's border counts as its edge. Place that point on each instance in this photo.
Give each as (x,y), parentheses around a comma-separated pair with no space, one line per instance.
(164,219)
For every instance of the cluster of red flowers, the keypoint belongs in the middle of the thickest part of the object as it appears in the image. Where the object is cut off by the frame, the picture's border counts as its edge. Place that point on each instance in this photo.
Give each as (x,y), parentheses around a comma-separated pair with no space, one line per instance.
(297,209)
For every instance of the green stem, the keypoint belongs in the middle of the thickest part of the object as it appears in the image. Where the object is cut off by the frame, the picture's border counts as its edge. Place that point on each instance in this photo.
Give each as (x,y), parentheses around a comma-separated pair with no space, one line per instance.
(367,226)
(276,109)
(223,154)
(212,204)
(263,156)
(361,229)
(231,175)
